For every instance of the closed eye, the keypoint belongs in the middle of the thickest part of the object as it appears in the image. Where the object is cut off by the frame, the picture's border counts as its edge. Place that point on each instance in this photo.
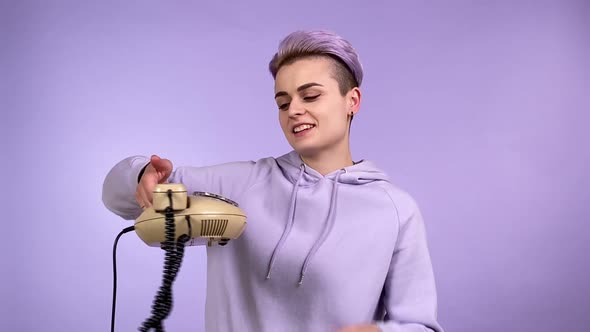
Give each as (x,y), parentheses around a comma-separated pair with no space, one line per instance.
(285,106)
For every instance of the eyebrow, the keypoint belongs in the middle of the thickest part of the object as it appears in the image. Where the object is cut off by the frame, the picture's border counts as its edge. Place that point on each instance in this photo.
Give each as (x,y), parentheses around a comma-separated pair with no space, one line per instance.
(301,88)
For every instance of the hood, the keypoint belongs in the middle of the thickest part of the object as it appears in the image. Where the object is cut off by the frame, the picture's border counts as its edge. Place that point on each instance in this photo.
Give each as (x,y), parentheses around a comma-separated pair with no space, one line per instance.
(301,174)
(361,172)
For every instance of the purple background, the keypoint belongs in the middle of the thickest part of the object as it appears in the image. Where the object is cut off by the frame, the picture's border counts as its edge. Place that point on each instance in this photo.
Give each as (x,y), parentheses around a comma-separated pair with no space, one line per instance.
(477,108)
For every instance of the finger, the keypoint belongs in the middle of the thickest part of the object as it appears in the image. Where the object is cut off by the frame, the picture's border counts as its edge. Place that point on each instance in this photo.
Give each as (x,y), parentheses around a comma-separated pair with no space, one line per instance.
(163,176)
(147,189)
(148,195)
(139,197)
(154,159)
(163,168)
(157,162)
(144,197)
(140,200)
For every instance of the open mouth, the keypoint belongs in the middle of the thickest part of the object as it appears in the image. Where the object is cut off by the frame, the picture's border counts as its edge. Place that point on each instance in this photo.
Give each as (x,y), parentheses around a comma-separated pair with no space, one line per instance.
(302,128)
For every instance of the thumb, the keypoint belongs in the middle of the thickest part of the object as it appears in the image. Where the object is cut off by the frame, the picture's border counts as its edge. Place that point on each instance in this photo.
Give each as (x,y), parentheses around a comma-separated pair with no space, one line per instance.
(162,166)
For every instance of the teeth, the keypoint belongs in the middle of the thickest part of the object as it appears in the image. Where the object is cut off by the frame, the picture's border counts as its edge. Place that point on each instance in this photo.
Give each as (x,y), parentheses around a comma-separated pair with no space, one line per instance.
(302,127)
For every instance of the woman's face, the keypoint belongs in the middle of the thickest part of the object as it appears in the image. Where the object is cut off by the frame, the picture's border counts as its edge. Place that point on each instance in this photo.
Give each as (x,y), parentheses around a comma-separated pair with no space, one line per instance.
(312,112)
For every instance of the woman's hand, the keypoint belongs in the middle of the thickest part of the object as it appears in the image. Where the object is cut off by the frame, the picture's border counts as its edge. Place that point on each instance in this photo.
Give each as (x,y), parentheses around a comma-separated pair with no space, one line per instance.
(156,172)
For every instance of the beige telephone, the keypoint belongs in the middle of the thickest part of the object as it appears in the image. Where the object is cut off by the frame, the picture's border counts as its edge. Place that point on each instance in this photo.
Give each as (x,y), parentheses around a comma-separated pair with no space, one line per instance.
(174,221)
(202,215)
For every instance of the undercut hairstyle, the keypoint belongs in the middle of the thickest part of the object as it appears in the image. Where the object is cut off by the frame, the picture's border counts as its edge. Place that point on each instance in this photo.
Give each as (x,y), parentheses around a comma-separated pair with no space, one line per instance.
(347,69)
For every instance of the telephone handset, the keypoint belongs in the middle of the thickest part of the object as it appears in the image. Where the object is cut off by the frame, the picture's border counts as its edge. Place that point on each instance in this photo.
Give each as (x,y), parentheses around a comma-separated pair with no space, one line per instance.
(176,220)
(201,215)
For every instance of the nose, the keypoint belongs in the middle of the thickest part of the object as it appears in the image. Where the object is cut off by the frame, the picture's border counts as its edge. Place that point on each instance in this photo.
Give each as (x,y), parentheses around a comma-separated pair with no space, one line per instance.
(296,108)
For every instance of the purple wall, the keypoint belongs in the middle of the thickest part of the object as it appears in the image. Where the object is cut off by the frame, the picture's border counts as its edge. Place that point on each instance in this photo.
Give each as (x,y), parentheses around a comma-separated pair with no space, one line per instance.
(479,109)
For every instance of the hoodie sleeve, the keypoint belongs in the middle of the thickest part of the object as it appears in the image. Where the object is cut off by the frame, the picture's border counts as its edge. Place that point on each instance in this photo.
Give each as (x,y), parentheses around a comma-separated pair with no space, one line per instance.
(409,294)
(229,180)
(118,188)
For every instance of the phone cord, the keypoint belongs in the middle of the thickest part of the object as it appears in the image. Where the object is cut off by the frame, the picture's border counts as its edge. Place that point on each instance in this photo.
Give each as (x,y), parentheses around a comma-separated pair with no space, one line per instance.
(172,261)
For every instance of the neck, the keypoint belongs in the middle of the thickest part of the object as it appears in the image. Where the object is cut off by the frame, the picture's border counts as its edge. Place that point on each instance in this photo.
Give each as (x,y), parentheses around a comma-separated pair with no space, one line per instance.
(327,162)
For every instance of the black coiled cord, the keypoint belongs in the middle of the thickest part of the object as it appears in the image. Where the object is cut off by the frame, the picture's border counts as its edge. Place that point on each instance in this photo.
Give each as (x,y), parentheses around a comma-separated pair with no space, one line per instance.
(174,253)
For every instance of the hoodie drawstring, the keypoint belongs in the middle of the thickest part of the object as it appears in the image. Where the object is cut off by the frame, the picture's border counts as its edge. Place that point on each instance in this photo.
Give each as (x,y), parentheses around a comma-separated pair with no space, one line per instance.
(327,228)
(290,222)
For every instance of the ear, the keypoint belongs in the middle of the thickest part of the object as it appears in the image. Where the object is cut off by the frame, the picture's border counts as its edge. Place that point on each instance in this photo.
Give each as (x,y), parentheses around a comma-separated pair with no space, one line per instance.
(354,100)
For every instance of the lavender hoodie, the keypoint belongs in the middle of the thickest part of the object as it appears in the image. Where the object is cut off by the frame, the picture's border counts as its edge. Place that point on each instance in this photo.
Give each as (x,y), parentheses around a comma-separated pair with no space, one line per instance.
(319,253)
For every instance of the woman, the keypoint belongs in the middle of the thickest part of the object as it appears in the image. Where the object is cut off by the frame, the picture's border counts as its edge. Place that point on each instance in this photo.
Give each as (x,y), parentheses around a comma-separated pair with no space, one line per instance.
(331,244)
